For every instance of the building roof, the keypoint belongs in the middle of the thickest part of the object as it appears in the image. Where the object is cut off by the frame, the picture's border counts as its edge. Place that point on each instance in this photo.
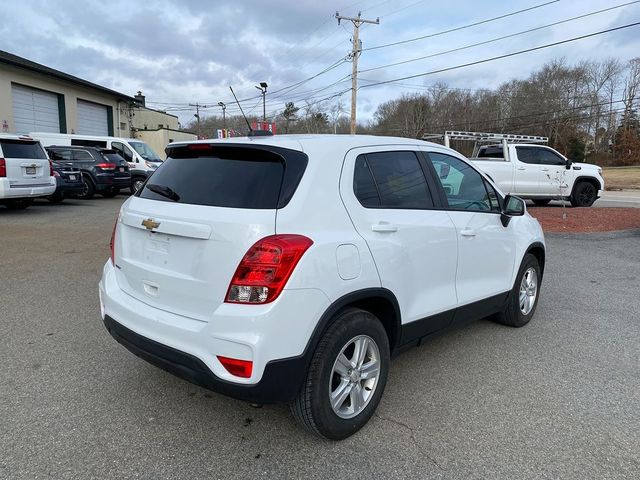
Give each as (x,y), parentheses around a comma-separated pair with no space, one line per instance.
(16,61)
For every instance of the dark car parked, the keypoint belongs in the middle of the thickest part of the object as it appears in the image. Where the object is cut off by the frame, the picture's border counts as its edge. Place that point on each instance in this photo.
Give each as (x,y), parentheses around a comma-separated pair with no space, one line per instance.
(103,171)
(68,182)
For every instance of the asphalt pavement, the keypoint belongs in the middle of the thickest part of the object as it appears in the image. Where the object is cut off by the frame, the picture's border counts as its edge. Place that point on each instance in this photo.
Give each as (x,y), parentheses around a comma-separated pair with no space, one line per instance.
(559,398)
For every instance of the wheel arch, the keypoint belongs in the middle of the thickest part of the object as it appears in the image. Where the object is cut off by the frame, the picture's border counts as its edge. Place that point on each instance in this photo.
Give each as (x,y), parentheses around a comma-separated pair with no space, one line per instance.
(537,250)
(592,180)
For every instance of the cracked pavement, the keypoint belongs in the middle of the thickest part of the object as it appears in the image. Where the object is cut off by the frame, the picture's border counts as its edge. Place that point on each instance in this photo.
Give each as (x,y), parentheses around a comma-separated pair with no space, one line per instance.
(559,398)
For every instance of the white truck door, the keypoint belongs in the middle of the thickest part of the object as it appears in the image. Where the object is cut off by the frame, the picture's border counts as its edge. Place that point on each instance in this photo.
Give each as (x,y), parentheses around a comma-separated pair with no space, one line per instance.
(413,244)
(526,161)
(553,172)
(486,249)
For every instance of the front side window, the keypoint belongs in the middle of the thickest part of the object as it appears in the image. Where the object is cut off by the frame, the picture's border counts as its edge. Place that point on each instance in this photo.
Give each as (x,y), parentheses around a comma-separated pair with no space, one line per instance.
(391,180)
(547,157)
(463,186)
(528,155)
(123,150)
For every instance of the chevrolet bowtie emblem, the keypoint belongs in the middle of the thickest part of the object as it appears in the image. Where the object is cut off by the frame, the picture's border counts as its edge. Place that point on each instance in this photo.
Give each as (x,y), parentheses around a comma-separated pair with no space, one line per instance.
(150,223)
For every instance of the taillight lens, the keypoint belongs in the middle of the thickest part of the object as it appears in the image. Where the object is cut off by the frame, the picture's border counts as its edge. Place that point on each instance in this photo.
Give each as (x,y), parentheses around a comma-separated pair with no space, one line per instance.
(52,172)
(238,368)
(266,267)
(106,166)
(112,243)
(3,168)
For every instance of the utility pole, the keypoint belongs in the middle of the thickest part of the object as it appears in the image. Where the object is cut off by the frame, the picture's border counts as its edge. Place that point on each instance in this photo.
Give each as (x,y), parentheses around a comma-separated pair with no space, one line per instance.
(197,115)
(224,117)
(263,90)
(355,53)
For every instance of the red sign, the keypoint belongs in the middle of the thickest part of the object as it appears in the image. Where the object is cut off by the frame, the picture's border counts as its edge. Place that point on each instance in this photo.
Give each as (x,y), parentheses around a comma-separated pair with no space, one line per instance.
(269,126)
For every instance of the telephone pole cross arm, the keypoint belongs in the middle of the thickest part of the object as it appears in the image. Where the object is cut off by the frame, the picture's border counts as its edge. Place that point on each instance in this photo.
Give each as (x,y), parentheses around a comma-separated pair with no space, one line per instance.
(355,53)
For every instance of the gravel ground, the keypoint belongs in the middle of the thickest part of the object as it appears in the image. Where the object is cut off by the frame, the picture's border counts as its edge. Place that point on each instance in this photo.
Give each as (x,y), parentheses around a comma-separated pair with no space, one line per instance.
(559,398)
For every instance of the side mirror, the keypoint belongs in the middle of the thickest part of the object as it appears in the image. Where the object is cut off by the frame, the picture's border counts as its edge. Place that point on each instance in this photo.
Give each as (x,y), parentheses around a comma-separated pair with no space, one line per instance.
(569,163)
(513,207)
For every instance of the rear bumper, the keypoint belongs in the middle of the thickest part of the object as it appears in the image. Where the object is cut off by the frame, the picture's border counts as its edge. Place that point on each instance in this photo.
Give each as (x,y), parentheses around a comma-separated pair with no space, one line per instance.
(274,337)
(108,181)
(8,191)
(280,381)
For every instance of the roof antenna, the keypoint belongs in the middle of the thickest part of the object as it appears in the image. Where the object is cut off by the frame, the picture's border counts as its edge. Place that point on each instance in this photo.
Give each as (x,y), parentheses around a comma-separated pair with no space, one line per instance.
(252,132)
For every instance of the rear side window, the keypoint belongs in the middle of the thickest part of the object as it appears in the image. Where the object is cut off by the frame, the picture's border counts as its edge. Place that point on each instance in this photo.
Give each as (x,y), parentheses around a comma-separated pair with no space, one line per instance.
(491,152)
(60,155)
(82,156)
(234,177)
(22,149)
(391,180)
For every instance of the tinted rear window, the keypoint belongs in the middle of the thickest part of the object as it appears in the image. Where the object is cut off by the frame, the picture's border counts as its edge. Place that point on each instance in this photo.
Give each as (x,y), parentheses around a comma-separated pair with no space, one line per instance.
(22,149)
(232,177)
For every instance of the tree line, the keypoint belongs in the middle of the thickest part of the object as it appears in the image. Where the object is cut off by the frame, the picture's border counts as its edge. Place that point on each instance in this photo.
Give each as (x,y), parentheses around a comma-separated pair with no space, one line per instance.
(588,110)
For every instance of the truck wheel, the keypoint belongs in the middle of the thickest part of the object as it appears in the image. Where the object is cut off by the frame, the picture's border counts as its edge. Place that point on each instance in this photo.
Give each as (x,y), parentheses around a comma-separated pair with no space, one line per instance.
(18,203)
(584,195)
(542,202)
(346,378)
(523,298)
(88,190)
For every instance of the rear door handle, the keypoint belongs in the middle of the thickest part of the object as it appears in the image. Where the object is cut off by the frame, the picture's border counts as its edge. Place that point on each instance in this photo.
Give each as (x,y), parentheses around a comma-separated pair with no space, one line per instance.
(545,169)
(522,168)
(384,227)
(468,232)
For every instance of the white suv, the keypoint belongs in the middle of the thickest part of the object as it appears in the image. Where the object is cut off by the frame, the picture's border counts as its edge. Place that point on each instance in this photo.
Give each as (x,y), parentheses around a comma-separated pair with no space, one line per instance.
(292,268)
(25,171)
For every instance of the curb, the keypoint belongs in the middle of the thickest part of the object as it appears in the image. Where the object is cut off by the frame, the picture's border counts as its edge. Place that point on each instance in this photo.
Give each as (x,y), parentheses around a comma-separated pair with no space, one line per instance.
(595,235)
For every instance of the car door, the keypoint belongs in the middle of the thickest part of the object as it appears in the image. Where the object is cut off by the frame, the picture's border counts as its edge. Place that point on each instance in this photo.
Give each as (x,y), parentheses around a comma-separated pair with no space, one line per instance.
(486,249)
(412,242)
(527,170)
(554,175)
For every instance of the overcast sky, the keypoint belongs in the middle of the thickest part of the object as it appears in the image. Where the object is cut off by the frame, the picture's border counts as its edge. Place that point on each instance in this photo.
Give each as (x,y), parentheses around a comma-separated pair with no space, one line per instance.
(185,51)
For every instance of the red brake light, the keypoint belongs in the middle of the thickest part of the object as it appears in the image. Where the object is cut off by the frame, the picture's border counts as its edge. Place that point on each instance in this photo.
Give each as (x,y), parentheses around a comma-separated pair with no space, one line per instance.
(3,168)
(199,146)
(112,243)
(239,368)
(106,166)
(266,267)
(52,172)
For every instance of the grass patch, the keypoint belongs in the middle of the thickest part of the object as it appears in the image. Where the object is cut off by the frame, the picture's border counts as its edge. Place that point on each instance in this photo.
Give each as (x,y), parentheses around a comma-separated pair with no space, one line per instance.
(618,178)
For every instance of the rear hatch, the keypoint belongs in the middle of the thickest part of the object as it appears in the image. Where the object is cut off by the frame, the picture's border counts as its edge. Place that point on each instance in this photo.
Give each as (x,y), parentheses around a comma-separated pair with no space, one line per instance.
(121,169)
(182,236)
(26,162)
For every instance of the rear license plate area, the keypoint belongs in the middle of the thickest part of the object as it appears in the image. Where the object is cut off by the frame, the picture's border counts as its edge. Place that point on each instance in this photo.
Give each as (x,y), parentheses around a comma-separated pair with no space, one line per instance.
(31,170)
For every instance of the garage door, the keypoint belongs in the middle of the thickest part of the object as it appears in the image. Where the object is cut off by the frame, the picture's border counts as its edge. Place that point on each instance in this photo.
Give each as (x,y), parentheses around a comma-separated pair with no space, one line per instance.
(34,110)
(93,119)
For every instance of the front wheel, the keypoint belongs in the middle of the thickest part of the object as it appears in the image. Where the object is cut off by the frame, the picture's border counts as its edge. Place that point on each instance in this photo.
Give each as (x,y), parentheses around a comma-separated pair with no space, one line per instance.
(584,195)
(346,378)
(523,298)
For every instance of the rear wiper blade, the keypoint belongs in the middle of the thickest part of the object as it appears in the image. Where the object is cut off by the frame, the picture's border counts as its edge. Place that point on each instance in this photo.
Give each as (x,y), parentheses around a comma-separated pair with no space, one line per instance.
(164,191)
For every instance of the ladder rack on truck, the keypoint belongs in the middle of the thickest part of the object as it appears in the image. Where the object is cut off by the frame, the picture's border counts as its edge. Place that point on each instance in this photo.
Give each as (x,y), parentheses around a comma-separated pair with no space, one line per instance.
(481,138)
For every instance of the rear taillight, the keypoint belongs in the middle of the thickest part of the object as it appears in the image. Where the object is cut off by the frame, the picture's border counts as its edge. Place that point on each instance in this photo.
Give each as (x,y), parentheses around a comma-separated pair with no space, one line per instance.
(112,243)
(238,368)
(52,173)
(264,270)
(106,166)
(3,168)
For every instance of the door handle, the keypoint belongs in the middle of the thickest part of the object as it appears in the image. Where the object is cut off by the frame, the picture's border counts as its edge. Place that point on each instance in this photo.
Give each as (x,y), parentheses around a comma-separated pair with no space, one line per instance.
(468,232)
(545,169)
(384,227)
(522,168)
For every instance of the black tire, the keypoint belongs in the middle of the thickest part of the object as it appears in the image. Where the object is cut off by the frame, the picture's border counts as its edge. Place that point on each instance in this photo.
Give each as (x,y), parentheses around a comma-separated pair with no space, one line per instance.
(18,203)
(89,189)
(584,194)
(312,407)
(57,197)
(512,315)
(541,202)
(110,193)
(136,182)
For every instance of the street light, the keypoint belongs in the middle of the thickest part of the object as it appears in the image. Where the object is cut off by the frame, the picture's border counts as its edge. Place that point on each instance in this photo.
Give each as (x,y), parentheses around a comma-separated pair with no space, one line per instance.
(263,90)
(224,117)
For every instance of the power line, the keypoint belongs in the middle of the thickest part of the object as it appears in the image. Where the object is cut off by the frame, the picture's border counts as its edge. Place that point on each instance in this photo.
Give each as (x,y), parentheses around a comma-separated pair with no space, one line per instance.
(493,19)
(506,55)
(498,38)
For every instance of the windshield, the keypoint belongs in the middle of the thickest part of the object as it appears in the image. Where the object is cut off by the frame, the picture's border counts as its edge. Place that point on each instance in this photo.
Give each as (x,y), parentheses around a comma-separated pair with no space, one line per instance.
(145,151)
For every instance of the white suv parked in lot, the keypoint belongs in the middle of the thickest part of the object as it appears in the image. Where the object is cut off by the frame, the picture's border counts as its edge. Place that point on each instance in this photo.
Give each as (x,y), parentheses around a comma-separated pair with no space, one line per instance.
(292,268)
(25,171)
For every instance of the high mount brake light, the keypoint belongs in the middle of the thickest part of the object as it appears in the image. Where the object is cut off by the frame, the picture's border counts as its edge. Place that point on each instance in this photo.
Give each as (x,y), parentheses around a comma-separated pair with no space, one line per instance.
(199,146)
(265,268)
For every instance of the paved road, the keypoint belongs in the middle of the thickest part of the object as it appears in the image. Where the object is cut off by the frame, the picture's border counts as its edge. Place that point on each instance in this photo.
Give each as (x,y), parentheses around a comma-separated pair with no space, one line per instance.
(627,198)
(556,399)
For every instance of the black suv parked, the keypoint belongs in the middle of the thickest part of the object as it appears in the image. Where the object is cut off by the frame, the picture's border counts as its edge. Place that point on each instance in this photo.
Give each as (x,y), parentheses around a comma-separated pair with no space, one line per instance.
(68,182)
(103,171)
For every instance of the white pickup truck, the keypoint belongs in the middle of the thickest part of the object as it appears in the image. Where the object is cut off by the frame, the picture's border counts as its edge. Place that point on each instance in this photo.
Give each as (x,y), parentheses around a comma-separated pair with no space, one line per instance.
(531,170)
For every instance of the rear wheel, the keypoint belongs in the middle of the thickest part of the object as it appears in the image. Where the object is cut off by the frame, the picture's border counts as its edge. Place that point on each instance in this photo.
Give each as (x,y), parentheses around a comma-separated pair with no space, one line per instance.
(346,377)
(88,190)
(136,183)
(57,197)
(523,299)
(542,202)
(18,203)
(584,195)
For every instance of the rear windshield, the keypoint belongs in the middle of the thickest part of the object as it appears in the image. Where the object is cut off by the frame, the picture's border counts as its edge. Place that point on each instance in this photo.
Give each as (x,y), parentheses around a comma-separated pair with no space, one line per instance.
(490,152)
(113,157)
(22,149)
(223,177)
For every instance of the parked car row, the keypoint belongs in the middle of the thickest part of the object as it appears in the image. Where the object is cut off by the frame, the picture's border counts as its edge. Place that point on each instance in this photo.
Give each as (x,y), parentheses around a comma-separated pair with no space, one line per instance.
(59,166)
